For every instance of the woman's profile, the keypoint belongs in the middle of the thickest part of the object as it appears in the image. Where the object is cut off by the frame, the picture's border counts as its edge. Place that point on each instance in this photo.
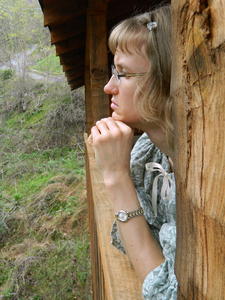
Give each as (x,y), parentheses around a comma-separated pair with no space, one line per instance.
(139,180)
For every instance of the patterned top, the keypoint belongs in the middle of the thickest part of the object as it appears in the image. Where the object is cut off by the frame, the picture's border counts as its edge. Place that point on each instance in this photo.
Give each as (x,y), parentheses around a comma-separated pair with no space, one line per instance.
(160,283)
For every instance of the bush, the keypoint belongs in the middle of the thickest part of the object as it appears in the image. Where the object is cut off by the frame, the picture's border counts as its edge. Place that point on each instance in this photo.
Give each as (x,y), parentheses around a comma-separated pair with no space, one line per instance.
(64,124)
(6,74)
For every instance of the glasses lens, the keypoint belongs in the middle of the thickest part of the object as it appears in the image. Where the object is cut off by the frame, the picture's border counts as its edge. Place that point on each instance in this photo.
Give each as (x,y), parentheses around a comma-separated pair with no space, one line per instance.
(115,73)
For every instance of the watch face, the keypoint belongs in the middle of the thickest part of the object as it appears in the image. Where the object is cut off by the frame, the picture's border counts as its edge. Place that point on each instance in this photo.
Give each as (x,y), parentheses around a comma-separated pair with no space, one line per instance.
(122,215)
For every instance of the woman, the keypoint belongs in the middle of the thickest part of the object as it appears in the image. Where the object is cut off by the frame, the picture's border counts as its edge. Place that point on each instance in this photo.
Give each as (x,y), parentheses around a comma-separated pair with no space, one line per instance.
(140,182)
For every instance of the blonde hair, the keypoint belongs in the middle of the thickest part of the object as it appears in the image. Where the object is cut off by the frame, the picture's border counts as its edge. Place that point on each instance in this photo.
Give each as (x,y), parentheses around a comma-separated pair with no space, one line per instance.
(132,35)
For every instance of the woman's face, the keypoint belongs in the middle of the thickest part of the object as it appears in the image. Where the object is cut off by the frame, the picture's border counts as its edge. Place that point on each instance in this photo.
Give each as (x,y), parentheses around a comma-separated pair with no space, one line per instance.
(123,90)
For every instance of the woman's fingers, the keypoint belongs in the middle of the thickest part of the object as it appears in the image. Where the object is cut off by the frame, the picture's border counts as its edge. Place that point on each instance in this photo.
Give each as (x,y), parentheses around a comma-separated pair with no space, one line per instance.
(102,127)
(107,125)
(124,127)
(112,146)
(108,128)
(94,132)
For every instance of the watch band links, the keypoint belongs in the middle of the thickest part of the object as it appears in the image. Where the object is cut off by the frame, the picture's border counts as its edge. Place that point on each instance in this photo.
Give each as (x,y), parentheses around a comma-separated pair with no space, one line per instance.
(138,212)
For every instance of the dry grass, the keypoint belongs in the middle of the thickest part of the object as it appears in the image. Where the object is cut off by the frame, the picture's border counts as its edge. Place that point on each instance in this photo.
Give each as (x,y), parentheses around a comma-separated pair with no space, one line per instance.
(51,245)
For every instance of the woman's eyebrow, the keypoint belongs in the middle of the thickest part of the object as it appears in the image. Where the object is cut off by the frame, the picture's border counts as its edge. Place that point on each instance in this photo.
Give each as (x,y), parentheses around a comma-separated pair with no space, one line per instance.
(122,67)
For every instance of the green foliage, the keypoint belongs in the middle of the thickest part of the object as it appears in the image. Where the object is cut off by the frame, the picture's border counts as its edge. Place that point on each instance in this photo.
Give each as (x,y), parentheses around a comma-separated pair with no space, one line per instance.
(16,16)
(6,74)
(51,272)
(4,271)
(49,64)
(32,171)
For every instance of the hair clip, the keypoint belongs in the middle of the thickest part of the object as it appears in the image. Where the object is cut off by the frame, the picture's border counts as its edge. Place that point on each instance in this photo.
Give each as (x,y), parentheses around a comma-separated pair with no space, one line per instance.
(151,25)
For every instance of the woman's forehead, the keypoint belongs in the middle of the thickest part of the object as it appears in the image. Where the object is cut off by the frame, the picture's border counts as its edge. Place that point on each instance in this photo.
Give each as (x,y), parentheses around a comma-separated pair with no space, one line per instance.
(131,53)
(130,48)
(131,59)
(123,56)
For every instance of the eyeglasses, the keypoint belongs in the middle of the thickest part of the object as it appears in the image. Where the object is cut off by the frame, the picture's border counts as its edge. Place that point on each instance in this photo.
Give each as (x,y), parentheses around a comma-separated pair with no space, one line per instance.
(118,75)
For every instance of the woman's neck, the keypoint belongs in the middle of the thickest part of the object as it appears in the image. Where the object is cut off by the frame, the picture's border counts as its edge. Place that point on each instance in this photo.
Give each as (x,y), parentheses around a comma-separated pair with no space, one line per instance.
(158,137)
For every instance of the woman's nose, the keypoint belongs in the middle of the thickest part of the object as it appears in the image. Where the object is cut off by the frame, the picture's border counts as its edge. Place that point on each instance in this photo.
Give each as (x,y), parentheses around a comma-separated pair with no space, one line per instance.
(111,87)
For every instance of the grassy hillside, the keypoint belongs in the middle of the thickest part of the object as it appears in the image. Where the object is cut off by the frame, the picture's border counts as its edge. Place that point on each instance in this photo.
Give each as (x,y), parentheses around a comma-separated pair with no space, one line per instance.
(44,249)
(49,64)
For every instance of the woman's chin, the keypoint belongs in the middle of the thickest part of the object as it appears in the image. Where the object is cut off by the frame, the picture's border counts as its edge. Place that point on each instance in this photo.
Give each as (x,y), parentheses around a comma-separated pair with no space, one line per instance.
(116,117)
(120,118)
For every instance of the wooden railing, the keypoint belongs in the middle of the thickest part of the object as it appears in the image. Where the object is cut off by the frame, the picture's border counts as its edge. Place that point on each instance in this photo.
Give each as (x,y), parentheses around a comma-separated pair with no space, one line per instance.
(113,275)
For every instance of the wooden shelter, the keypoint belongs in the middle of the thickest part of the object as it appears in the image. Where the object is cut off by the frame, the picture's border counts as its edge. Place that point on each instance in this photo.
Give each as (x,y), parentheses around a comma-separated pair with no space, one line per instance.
(79,31)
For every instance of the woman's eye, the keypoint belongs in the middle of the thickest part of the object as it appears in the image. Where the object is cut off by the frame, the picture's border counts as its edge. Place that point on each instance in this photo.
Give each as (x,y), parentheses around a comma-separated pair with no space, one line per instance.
(122,75)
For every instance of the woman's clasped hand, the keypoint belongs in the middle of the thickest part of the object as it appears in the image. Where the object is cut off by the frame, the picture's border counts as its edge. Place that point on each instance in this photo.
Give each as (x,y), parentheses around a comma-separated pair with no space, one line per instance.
(112,141)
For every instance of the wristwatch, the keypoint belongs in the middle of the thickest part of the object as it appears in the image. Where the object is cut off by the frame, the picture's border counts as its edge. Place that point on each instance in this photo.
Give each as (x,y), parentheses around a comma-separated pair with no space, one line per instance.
(124,216)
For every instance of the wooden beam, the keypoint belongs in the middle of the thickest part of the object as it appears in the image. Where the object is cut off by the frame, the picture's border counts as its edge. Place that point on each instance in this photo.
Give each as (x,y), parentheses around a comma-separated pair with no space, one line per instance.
(72,58)
(96,75)
(74,74)
(68,67)
(69,45)
(59,15)
(198,91)
(75,26)
(120,281)
(76,83)
(96,69)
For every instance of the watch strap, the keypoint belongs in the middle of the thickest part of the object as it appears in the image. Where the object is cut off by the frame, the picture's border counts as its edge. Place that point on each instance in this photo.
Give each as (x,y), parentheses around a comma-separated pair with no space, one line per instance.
(136,213)
(124,216)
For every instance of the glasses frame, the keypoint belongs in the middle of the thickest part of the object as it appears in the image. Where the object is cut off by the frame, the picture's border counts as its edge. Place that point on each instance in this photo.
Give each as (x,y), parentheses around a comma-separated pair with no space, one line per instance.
(117,75)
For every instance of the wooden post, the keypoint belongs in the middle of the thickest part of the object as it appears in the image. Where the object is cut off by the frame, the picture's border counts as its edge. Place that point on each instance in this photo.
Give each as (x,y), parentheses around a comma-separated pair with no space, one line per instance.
(198,90)
(96,65)
(97,106)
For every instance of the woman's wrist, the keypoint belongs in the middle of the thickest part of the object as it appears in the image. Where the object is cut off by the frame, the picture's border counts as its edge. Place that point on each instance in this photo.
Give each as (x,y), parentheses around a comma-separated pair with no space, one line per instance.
(122,193)
(115,178)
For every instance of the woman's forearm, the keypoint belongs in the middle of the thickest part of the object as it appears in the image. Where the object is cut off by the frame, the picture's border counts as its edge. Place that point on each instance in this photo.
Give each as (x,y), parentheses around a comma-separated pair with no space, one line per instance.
(112,141)
(142,249)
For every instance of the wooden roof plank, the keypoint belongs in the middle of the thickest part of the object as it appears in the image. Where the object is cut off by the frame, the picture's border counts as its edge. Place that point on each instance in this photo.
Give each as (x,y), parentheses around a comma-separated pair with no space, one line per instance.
(75,75)
(67,67)
(69,29)
(57,18)
(57,11)
(76,83)
(71,58)
(69,45)
(67,5)
(75,71)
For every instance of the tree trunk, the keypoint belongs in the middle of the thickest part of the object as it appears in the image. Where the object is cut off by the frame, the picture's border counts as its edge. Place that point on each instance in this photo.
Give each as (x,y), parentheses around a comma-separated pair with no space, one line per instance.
(198,90)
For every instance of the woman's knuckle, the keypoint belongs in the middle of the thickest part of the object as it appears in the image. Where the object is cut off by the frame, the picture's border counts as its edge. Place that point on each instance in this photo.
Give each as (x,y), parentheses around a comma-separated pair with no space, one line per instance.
(127,131)
(116,133)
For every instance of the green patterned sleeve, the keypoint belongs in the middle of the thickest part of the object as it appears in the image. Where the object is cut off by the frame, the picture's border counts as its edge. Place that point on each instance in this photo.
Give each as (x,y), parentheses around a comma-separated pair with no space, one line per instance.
(161,283)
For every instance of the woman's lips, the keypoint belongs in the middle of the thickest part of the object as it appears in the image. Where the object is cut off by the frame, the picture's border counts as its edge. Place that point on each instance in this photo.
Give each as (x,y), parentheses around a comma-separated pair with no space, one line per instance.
(114,105)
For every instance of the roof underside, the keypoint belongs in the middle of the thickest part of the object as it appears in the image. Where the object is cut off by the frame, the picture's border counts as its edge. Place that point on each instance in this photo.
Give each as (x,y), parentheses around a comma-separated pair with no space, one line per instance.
(66,21)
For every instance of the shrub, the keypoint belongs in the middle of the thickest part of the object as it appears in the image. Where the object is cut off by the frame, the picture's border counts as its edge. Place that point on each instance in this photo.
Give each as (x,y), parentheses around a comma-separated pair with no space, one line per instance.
(64,124)
(6,74)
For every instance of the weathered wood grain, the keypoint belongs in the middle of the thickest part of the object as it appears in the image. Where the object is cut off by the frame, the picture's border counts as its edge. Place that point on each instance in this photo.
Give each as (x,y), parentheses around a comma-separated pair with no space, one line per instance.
(96,107)
(198,90)
(120,280)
